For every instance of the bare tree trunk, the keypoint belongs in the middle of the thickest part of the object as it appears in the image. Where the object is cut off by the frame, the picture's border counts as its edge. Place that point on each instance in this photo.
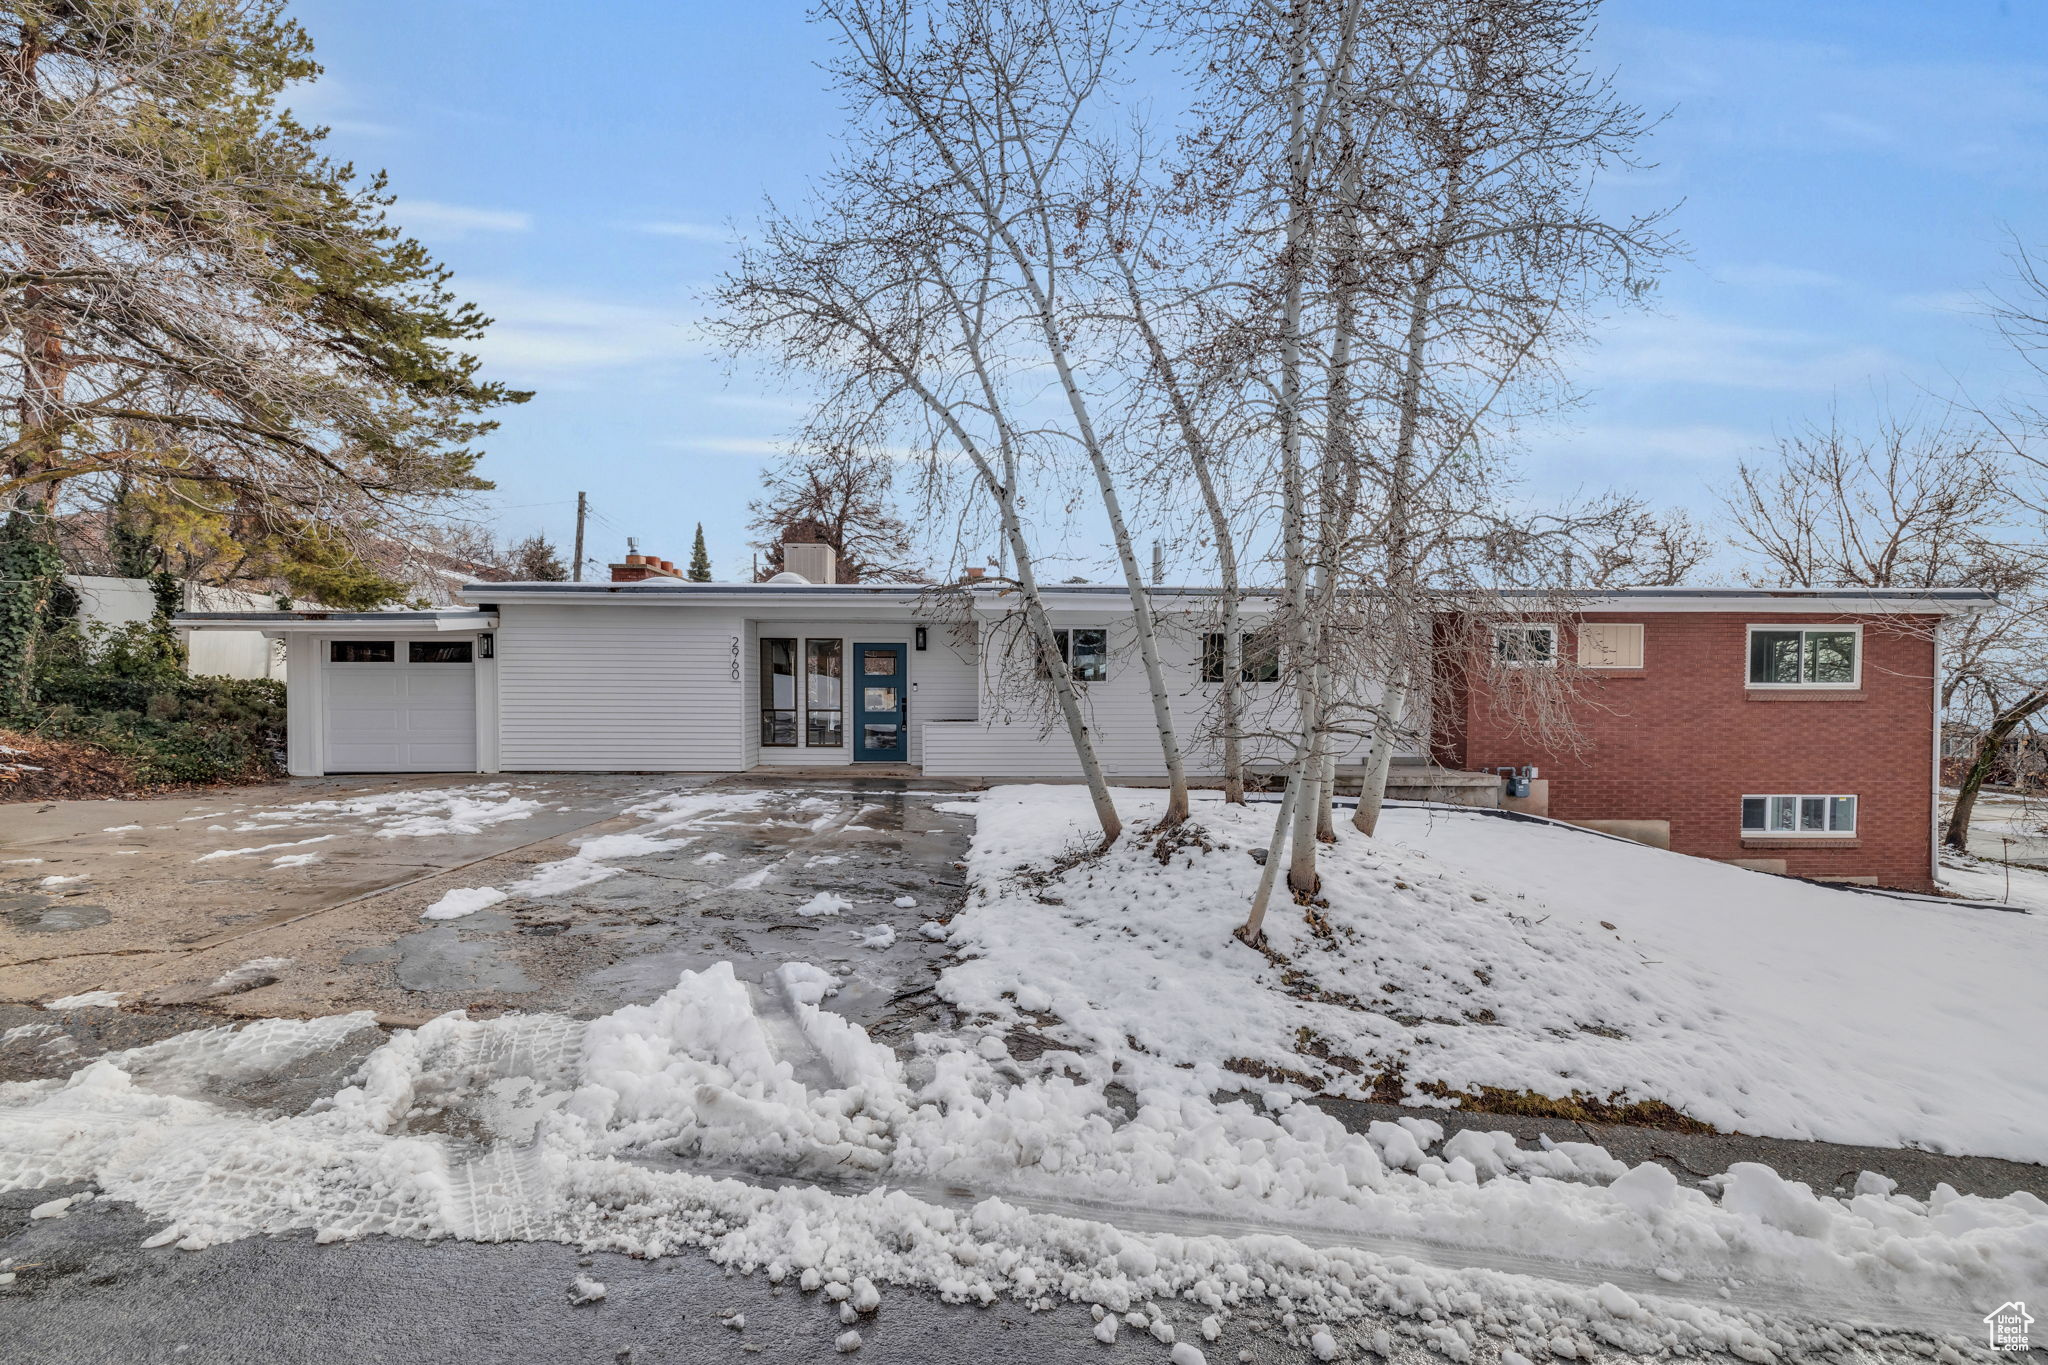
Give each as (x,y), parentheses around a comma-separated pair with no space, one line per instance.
(1326,792)
(1379,758)
(1230,695)
(1143,617)
(1253,930)
(1994,737)
(1301,870)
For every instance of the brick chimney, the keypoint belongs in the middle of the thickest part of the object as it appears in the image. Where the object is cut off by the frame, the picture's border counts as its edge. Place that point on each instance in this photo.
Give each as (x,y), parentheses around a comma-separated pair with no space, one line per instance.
(806,553)
(640,568)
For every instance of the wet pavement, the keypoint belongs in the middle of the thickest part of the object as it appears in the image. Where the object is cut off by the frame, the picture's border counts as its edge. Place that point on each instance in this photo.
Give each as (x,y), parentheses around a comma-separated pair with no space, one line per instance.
(92,1295)
(171,904)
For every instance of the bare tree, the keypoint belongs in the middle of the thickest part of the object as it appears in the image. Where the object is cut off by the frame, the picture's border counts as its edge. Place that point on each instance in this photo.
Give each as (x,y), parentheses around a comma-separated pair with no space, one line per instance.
(992,102)
(903,316)
(847,496)
(1413,176)
(1916,504)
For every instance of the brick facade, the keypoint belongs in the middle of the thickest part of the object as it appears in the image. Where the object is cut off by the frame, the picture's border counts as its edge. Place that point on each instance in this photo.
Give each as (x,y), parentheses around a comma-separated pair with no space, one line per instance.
(1684,738)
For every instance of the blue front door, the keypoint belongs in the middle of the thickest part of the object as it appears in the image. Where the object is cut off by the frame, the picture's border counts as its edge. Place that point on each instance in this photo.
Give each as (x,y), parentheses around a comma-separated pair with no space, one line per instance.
(881,704)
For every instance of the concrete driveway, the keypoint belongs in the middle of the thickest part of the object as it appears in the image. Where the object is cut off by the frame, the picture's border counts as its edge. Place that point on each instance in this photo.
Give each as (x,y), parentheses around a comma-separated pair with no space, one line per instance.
(306,899)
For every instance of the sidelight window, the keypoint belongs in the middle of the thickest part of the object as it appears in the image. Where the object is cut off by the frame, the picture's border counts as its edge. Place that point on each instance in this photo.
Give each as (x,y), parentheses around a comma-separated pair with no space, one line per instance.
(824,694)
(778,693)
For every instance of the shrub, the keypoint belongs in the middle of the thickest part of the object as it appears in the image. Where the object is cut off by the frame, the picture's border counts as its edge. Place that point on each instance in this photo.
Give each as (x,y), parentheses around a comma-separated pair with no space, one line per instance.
(126,691)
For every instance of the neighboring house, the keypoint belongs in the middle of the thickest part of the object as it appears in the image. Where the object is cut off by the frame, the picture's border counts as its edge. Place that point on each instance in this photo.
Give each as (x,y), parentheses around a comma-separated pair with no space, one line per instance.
(651,673)
(247,653)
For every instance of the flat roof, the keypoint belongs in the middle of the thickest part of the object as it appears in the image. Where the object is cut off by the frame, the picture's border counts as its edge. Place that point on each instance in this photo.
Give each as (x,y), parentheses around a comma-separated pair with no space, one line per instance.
(338,622)
(1889,600)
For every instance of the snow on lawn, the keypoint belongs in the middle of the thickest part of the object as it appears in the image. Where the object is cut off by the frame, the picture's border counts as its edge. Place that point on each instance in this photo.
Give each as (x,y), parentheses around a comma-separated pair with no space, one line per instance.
(1460,951)
(543,1127)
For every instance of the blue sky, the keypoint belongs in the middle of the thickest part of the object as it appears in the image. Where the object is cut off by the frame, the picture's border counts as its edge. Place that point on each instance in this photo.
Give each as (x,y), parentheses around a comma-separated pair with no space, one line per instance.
(1846,173)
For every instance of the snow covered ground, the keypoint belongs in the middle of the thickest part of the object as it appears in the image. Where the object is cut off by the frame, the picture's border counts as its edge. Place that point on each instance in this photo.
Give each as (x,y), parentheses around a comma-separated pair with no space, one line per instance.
(754,1123)
(1463,951)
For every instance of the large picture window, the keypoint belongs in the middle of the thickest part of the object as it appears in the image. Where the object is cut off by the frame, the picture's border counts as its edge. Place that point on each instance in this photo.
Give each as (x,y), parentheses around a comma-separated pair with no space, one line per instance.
(1086,652)
(1798,816)
(778,693)
(1821,656)
(824,693)
(1261,657)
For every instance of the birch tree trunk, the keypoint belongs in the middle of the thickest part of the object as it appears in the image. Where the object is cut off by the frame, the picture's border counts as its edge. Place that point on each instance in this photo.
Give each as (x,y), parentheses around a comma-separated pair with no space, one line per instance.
(1379,757)
(1202,463)
(1957,836)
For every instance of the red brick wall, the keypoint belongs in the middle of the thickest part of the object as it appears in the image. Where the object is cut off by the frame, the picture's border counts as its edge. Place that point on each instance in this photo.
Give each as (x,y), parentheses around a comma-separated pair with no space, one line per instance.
(1685,739)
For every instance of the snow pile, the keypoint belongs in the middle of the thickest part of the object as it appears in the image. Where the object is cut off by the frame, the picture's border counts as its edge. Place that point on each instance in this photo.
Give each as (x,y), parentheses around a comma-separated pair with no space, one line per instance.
(1459,951)
(431,813)
(86,1000)
(589,1131)
(463,900)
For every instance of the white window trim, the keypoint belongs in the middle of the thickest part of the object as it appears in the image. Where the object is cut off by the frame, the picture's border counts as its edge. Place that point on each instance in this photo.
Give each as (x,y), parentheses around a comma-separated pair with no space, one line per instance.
(1548,627)
(1823,834)
(1855,672)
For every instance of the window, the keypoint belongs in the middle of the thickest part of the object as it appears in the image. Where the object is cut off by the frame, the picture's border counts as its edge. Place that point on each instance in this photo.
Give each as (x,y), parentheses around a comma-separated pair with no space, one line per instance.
(778,693)
(1823,656)
(362,651)
(823,687)
(1086,653)
(1525,646)
(1261,657)
(1610,644)
(437,652)
(1798,816)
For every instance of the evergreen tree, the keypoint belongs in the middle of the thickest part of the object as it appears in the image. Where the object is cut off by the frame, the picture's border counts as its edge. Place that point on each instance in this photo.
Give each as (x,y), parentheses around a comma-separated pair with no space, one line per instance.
(535,560)
(700,559)
(191,293)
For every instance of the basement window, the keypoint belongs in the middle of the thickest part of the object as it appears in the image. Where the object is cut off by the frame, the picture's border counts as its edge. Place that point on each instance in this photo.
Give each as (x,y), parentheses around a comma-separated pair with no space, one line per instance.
(1793,817)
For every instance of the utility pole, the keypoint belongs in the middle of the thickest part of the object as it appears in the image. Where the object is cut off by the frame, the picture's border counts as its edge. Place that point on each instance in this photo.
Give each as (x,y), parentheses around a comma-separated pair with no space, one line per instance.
(582,510)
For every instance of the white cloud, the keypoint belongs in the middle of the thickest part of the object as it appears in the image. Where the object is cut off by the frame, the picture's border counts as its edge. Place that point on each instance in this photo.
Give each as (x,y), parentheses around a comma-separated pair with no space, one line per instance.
(1943,301)
(543,333)
(1688,349)
(1690,442)
(732,445)
(331,102)
(1980,117)
(1764,275)
(426,218)
(695,232)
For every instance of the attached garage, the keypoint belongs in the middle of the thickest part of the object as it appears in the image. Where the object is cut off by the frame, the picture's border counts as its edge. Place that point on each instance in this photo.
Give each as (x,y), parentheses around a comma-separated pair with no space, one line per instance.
(382,691)
(400,706)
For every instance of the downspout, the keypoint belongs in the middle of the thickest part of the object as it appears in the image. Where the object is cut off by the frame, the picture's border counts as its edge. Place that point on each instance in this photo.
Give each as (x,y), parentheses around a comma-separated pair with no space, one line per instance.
(1934,805)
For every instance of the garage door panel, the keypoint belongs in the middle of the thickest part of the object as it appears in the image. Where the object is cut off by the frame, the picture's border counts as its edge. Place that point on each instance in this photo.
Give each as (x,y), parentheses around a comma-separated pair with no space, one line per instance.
(401,717)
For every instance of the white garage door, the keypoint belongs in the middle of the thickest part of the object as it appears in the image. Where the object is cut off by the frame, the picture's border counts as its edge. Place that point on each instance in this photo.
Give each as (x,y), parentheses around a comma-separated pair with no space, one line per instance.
(401,706)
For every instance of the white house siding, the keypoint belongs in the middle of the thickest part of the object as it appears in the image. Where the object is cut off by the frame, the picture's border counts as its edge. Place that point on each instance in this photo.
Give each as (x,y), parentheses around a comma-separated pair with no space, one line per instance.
(1018,733)
(942,682)
(627,687)
(114,602)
